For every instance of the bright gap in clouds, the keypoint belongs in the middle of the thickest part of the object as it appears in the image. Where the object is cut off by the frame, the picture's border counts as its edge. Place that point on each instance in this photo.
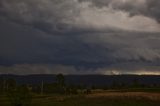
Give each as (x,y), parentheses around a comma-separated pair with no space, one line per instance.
(107,18)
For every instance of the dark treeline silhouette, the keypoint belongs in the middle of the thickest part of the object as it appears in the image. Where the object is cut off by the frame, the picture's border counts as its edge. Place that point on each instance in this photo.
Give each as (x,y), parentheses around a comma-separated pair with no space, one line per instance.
(60,84)
(85,80)
(20,94)
(58,87)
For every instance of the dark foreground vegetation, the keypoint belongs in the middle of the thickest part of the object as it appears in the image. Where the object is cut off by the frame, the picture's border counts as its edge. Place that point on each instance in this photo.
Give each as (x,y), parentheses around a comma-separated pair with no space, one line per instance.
(60,93)
(95,99)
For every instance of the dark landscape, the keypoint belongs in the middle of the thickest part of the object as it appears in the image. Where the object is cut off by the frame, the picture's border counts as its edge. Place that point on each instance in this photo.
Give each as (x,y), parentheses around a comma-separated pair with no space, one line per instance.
(87,80)
(79,90)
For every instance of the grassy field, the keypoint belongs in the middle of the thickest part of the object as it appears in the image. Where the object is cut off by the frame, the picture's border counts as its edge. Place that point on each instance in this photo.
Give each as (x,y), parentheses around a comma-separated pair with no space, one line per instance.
(106,98)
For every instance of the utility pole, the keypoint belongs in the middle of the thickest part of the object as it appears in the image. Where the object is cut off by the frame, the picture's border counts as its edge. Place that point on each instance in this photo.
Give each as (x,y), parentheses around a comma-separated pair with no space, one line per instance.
(4,85)
(7,83)
(42,85)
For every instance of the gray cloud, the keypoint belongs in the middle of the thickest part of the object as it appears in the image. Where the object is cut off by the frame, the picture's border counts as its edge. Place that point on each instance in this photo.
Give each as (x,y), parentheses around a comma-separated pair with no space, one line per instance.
(148,8)
(48,15)
(71,16)
(101,37)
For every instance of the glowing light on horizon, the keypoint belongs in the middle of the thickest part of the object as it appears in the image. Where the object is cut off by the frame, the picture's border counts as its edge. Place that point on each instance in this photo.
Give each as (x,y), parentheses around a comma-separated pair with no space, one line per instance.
(138,72)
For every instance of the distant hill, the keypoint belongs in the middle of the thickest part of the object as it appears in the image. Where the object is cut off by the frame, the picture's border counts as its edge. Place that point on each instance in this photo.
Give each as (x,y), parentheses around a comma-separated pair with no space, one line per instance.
(88,80)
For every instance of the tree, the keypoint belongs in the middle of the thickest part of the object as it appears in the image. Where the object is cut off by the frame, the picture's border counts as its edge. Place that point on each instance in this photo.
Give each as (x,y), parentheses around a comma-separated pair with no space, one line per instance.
(60,83)
(136,83)
(60,80)
(11,84)
(19,96)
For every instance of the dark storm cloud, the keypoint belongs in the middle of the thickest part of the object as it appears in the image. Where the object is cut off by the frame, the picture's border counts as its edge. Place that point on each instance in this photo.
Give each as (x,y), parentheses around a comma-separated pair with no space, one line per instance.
(23,44)
(46,15)
(85,36)
(153,7)
(60,16)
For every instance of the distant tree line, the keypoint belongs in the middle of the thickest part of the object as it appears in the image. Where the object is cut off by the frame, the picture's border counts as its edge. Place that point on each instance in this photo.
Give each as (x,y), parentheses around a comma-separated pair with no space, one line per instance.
(20,95)
(60,86)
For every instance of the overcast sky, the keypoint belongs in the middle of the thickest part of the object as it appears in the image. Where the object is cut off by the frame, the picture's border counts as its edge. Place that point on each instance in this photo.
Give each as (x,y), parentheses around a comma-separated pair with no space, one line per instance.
(80,36)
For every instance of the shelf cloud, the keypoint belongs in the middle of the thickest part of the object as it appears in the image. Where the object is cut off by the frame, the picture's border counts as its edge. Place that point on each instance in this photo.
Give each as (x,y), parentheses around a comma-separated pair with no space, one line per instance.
(80,36)
(66,16)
